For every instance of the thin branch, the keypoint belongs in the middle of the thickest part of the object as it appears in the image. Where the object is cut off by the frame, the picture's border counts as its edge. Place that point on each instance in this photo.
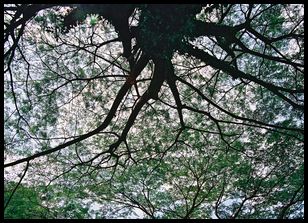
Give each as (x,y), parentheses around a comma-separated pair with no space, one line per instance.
(22,177)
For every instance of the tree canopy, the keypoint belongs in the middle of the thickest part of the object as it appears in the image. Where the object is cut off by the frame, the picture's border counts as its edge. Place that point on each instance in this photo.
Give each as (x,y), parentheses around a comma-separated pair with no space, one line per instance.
(154,111)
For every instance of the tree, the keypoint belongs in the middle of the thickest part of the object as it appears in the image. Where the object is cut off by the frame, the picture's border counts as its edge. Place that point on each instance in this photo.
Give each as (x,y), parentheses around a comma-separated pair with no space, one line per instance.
(157,111)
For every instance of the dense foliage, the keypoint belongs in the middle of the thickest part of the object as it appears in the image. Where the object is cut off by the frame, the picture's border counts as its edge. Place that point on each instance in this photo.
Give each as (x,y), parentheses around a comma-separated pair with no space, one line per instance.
(154,111)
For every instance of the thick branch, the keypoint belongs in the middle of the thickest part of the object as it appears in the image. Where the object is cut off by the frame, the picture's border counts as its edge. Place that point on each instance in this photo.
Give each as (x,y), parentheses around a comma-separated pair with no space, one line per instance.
(106,122)
(224,66)
(152,92)
(122,92)
(232,114)
(211,29)
(171,82)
